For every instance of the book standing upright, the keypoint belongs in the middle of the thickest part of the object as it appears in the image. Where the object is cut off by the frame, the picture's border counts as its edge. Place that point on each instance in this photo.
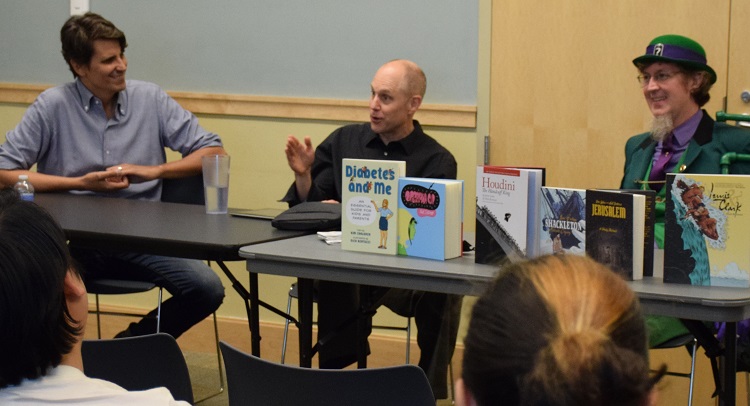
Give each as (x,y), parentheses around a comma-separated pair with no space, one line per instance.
(507,223)
(430,218)
(706,228)
(369,215)
(615,230)
(562,218)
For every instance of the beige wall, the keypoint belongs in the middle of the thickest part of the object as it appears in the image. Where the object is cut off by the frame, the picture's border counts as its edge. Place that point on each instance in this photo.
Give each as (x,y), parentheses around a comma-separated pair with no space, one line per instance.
(260,176)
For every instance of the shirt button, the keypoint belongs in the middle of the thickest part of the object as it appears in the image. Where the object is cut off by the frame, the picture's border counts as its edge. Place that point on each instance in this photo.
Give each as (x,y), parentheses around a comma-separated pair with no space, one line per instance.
(107,152)
(385,153)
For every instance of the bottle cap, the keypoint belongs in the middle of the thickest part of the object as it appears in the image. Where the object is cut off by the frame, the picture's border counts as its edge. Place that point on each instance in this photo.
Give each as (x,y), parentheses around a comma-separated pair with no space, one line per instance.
(23,177)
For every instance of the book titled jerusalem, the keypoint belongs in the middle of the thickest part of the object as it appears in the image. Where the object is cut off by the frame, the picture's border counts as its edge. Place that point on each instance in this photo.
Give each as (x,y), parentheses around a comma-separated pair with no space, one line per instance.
(430,218)
(615,230)
(507,224)
(562,221)
(369,200)
(707,221)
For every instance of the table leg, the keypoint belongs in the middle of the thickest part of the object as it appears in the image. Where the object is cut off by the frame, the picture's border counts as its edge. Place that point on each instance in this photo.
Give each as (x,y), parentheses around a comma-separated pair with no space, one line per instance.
(305,314)
(363,320)
(252,305)
(728,394)
(254,315)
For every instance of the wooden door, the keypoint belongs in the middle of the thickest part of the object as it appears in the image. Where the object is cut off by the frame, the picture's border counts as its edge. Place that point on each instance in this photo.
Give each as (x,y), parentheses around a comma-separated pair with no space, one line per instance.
(738,77)
(564,93)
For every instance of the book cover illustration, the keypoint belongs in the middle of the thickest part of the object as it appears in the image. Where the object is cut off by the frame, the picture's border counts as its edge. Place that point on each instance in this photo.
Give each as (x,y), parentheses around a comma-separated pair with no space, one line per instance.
(369,218)
(430,223)
(563,221)
(506,213)
(615,226)
(706,228)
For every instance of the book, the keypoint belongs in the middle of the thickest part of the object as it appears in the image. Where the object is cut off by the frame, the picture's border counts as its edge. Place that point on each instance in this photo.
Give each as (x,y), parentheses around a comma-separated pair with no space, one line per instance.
(369,196)
(430,218)
(507,224)
(615,230)
(649,244)
(562,221)
(706,227)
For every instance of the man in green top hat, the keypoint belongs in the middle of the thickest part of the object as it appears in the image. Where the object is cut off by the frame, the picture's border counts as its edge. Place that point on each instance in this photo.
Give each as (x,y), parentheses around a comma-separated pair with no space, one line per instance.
(675,79)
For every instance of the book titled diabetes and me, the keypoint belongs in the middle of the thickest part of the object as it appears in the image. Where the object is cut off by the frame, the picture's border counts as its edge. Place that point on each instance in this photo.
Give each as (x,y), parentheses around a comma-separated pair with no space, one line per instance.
(369,205)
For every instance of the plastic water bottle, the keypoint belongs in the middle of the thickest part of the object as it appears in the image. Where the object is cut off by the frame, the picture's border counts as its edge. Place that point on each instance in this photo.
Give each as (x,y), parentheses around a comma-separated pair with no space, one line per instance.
(24,189)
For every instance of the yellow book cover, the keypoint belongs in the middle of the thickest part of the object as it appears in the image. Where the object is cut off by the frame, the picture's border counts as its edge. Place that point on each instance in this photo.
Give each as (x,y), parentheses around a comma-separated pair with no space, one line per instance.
(706,227)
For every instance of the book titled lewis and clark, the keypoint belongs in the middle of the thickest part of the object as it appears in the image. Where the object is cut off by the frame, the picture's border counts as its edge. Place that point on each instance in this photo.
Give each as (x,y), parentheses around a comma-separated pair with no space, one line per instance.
(369,201)
(707,221)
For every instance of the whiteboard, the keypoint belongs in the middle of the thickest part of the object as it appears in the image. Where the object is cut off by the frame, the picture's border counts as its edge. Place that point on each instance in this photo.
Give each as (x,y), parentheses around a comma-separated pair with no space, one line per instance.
(290,48)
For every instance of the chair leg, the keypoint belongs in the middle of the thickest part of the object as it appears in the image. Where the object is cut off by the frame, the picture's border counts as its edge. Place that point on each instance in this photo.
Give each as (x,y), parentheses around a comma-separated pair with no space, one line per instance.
(408,339)
(451,382)
(286,327)
(158,312)
(218,355)
(692,371)
(98,318)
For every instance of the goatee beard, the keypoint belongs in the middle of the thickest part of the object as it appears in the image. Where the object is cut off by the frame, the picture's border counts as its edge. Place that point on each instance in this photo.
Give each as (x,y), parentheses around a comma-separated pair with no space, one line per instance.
(661,126)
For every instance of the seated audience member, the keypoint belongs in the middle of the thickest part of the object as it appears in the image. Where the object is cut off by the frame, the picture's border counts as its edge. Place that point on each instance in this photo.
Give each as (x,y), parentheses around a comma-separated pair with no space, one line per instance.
(557,330)
(43,317)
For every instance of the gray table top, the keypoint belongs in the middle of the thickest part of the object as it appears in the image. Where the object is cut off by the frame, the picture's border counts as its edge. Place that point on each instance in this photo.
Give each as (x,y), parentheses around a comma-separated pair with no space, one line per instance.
(172,229)
(309,257)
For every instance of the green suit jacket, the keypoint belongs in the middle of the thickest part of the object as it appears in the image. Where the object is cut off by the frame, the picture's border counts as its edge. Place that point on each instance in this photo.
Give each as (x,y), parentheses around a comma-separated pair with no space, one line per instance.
(709,143)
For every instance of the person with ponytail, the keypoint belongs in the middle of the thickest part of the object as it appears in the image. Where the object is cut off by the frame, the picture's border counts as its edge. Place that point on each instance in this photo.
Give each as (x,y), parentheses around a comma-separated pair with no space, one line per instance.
(559,330)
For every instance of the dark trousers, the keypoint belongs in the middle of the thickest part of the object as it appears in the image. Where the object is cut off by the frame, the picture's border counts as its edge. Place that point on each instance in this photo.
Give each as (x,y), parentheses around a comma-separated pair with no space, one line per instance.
(196,289)
(437,316)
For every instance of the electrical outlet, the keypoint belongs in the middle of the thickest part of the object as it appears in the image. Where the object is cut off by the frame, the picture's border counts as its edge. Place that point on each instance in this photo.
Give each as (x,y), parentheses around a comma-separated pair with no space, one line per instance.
(78,7)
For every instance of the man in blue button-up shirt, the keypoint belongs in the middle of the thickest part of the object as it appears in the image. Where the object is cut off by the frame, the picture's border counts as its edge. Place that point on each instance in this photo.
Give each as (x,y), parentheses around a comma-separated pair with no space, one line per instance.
(103,135)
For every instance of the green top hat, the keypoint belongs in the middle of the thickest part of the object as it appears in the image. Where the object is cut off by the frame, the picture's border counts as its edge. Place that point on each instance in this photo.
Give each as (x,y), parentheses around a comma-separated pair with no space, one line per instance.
(676,49)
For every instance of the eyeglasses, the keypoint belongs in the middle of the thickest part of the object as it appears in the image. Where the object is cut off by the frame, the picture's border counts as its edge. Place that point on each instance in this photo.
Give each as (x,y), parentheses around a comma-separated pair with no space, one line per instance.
(659,77)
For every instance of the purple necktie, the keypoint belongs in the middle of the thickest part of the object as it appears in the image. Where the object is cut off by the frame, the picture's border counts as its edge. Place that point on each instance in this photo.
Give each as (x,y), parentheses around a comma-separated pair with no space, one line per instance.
(660,166)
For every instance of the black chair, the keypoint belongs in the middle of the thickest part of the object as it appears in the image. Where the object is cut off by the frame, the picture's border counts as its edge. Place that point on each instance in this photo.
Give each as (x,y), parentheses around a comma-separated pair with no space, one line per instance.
(253,381)
(139,363)
(187,190)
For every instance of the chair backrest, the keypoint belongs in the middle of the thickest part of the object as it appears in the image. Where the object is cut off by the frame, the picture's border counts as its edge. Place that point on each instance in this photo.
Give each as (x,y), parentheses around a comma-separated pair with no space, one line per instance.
(254,381)
(138,363)
(183,190)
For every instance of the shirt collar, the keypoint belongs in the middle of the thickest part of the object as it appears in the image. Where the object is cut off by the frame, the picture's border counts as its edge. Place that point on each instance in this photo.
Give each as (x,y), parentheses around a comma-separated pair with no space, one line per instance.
(87,98)
(409,143)
(684,132)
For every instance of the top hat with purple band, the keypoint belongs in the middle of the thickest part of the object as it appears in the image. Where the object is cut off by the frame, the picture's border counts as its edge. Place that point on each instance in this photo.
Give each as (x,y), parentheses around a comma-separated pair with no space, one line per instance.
(676,49)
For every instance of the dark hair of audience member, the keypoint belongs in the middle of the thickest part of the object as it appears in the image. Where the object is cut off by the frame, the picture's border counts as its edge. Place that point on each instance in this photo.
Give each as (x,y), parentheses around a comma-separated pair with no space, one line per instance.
(558,330)
(36,328)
